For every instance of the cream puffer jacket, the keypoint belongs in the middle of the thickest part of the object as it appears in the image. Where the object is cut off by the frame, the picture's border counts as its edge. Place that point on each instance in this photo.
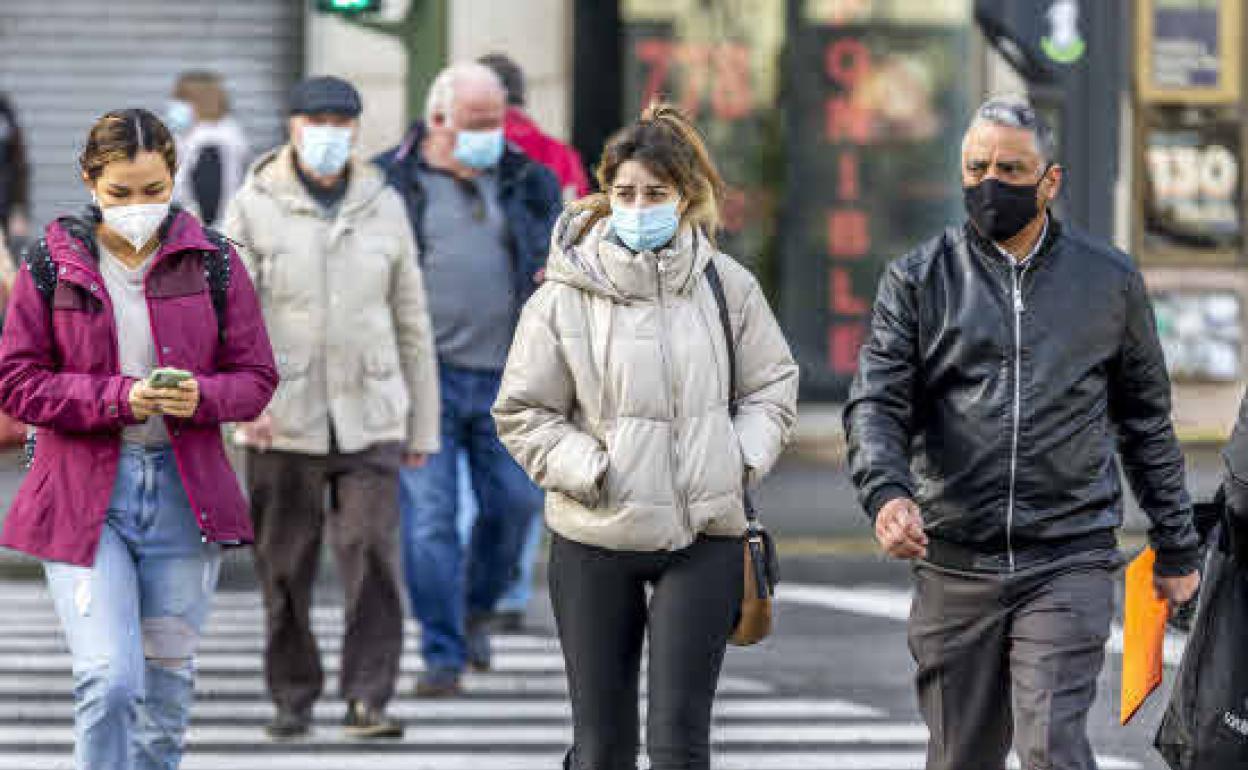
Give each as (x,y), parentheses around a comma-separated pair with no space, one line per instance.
(615,396)
(345,306)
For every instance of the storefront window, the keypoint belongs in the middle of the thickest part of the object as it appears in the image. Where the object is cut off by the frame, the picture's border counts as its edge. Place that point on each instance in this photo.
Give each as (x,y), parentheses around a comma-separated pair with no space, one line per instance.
(878,102)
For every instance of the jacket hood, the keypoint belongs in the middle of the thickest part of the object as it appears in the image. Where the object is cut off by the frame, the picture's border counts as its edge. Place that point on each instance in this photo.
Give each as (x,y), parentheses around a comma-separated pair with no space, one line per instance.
(273,174)
(587,255)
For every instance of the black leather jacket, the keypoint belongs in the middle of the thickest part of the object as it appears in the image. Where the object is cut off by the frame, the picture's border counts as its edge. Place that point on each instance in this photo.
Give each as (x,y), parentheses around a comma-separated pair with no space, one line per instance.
(995,394)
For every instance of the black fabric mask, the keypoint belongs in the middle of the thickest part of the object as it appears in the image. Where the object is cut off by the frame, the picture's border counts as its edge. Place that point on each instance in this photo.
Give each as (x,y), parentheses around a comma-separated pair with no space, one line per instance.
(1001,210)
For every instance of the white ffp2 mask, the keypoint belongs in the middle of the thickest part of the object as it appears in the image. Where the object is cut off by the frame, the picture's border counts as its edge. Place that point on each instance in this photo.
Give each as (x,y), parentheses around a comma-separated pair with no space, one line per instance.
(136,223)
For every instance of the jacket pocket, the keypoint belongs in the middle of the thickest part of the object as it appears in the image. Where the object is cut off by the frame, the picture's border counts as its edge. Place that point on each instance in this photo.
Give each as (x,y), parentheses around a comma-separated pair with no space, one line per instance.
(639,468)
(386,400)
(289,404)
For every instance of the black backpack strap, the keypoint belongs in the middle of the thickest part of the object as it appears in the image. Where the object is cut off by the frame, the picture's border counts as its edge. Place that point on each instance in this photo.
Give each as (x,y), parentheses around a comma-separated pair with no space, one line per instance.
(217,268)
(38,260)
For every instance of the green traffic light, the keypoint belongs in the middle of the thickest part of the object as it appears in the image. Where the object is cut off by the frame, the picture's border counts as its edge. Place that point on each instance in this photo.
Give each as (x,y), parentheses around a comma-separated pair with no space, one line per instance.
(349,6)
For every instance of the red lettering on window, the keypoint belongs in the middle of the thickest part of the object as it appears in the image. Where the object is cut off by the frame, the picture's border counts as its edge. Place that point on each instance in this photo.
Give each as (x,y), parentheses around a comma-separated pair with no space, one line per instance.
(848,187)
(848,62)
(732,97)
(844,341)
(695,59)
(849,233)
(847,122)
(841,289)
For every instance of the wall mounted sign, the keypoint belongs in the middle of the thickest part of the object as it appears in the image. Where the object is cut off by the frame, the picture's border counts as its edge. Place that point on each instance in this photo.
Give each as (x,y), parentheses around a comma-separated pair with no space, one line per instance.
(1188,51)
(1191,185)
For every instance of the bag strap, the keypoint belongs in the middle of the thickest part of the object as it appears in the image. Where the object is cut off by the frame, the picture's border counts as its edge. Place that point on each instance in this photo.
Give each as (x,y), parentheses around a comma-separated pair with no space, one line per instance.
(217,269)
(38,260)
(725,320)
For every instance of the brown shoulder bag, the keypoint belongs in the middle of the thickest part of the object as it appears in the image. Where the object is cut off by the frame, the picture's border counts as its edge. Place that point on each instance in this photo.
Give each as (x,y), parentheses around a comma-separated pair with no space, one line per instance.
(762,570)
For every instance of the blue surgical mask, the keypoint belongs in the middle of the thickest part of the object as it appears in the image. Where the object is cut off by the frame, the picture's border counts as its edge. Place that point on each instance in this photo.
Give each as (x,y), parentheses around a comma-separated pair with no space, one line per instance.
(646,228)
(179,116)
(325,149)
(479,150)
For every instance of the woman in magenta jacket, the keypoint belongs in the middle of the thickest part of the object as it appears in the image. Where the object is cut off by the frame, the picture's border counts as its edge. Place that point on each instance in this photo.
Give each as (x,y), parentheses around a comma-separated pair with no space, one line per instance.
(130,497)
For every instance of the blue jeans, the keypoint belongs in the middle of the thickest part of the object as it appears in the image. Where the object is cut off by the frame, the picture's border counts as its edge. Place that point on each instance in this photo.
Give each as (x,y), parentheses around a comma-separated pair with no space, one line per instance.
(520,591)
(132,620)
(441,589)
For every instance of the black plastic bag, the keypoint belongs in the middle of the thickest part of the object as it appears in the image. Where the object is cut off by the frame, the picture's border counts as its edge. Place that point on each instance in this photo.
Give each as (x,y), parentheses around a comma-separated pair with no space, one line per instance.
(1206,722)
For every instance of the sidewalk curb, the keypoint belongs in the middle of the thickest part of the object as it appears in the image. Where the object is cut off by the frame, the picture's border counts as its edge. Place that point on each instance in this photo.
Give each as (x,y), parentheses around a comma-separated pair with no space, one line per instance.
(820,436)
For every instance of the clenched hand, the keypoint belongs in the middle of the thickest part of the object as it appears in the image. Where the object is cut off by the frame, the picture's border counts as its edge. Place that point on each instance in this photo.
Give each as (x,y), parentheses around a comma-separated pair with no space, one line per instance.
(899,529)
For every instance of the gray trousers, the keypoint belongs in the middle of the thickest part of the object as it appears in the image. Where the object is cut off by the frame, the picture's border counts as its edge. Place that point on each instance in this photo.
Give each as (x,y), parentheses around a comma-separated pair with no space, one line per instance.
(1011,659)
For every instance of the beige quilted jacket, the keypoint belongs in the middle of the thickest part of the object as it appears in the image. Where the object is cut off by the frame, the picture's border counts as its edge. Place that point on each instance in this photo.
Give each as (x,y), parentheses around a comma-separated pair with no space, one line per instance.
(345,307)
(615,396)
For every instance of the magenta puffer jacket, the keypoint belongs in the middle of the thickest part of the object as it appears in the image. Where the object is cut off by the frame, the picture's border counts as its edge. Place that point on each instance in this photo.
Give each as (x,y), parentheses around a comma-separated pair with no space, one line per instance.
(59,371)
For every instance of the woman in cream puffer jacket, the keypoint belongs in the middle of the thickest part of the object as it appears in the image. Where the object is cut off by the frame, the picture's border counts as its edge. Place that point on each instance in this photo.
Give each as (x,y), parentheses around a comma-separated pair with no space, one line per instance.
(615,399)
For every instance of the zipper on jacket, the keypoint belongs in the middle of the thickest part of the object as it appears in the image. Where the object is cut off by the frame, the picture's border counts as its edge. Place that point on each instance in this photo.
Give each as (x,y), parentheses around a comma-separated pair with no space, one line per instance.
(1016,296)
(678,495)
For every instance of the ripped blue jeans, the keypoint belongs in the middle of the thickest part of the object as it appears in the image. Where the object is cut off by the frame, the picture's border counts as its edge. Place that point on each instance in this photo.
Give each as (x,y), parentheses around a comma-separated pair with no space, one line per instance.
(133,619)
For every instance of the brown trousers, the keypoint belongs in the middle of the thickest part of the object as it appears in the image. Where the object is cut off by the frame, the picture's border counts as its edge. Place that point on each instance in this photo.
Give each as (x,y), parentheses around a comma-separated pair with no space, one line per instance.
(288,509)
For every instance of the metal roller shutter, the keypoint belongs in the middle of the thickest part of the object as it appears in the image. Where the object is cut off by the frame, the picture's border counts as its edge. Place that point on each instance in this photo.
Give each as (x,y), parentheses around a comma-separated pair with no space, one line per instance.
(65,62)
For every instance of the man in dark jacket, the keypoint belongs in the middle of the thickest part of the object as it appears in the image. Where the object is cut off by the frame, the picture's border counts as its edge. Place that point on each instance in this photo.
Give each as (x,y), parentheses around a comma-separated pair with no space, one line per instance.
(1007,360)
(482,213)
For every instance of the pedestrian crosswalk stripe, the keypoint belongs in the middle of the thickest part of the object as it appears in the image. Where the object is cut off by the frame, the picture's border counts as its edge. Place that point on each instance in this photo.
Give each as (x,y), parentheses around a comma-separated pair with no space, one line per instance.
(219,736)
(251,641)
(227,663)
(475,710)
(20,637)
(497,760)
(894,604)
(252,684)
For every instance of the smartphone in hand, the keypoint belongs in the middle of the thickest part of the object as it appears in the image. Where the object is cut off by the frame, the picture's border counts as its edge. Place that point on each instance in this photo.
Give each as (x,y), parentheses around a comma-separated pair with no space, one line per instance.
(166,377)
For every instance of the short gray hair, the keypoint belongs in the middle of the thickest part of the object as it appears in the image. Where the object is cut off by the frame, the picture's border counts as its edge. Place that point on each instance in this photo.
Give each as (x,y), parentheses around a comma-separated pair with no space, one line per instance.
(1017,112)
(441,97)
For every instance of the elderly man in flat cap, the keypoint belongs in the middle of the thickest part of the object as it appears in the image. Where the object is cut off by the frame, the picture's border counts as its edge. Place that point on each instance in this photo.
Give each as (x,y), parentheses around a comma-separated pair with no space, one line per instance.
(332,255)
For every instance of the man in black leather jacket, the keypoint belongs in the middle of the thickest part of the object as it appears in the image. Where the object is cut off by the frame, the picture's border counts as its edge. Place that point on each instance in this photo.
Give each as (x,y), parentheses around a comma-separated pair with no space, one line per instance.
(1008,360)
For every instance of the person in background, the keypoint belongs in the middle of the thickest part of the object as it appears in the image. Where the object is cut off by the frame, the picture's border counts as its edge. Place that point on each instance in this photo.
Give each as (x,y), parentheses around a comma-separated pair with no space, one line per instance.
(615,399)
(565,163)
(14,177)
(522,131)
(211,144)
(130,498)
(482,213)
(335,263)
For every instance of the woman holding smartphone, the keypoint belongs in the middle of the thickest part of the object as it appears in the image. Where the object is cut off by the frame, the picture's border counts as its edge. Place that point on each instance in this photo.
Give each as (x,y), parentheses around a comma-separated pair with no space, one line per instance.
(130,497)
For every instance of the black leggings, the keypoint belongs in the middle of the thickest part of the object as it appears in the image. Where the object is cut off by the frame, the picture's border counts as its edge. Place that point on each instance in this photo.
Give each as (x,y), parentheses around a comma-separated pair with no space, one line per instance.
(599,597)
